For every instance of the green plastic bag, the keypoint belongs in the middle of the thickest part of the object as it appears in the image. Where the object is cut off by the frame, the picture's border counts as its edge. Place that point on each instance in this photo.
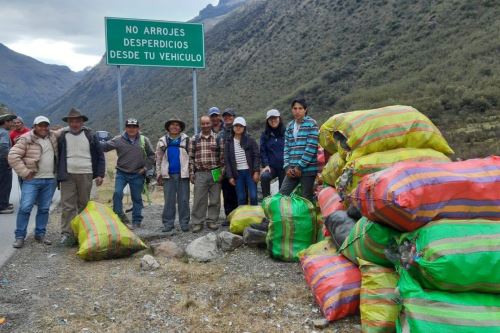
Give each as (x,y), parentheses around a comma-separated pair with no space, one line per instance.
(441,311)
(368,241)
(292,225)
(455,255)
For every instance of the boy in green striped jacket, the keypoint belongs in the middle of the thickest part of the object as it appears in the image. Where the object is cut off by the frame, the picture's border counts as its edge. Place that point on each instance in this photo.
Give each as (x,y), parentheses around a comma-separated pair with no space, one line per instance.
(301,151)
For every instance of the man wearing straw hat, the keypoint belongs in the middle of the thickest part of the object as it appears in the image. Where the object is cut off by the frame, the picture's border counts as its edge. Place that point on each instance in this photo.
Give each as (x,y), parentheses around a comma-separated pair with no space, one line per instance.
(81,160)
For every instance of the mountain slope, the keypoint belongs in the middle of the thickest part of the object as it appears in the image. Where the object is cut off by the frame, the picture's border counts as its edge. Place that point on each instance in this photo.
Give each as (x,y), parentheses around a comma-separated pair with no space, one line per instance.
(27,85)
(438,56)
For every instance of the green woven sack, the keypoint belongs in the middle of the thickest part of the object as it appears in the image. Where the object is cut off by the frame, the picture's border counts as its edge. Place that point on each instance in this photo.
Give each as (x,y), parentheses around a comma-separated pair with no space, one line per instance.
(368,241)
(441,311)
(292,226)
(456,255)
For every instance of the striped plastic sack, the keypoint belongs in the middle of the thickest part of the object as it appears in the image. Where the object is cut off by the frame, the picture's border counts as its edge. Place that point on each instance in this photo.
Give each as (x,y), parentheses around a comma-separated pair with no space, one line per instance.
(455,255)
(325,136)
(411,194)
(324,247)
(102,235)
(367,241)
(329,201)
(335,283)
(391,127)
(243,216)
(332,169)
(292,225)
(379,301)
(374,162)
(441,311)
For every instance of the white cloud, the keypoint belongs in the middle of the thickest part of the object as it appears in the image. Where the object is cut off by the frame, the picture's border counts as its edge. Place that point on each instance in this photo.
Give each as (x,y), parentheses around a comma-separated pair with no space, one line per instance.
(71,32)
(55,52)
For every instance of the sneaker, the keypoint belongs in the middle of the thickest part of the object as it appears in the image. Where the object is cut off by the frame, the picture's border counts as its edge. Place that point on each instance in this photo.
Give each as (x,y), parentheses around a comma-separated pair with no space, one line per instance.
(212,226)
(185,229)
(197,228)
(43,240)
(124,219)
(18,243)
(67,240)
(167,229)
(7,211)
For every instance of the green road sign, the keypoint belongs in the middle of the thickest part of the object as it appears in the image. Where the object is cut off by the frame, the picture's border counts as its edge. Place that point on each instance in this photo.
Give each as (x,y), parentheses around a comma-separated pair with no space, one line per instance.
(137,42)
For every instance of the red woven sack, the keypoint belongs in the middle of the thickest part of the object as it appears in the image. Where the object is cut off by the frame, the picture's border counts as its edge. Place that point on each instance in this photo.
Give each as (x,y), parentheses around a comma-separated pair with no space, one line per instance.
(411,194)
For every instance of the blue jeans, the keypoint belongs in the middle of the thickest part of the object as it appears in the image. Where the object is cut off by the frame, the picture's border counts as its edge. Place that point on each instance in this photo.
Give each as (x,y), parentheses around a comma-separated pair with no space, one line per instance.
(136,183)
(40,191)
(244,183)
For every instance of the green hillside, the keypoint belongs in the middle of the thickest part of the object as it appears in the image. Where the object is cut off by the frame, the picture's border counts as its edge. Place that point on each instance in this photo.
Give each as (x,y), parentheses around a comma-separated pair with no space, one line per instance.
(438,56)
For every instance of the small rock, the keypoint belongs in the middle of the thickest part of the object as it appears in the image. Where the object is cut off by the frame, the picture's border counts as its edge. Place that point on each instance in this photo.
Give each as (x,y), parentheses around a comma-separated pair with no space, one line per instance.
(320,323)
(148,263)
(204,249)
(167,249)
(229,241)
(254,238)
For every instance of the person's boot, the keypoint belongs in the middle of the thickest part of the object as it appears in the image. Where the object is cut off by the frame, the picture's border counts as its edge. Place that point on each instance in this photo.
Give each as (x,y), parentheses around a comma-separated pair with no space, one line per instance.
(18,243)
(263,226)
(42,239)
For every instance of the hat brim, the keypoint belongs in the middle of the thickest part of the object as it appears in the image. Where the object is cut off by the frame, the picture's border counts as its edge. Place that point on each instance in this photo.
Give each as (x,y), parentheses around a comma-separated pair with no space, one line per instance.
(84,118)
(180,122)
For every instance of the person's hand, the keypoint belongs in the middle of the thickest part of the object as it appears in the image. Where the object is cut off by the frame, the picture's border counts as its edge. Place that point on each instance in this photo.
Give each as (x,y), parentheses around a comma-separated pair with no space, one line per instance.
(232,181)
(265,169)
(290,172)
(297,172)
(142,171)
(30,175)
(98,181)
(192,178)
(159,180)
(256,177)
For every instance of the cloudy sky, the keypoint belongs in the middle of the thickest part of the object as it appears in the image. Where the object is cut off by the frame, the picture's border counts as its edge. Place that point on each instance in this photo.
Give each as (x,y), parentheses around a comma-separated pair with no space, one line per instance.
(71,32)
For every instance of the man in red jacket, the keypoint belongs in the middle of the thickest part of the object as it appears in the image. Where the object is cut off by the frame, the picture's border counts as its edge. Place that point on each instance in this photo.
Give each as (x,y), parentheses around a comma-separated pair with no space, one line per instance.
(19,129)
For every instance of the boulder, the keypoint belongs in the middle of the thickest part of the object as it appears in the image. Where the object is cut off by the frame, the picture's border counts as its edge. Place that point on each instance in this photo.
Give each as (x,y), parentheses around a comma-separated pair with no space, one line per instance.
(204,248)
(167,249)
(149,263)
(229,241)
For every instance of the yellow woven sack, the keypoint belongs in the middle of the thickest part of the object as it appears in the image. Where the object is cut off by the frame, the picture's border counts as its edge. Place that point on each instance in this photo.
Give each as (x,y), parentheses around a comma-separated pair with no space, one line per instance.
(243,216)
(332,169)
(322,248)
(391,127)
(379,301)
(101,234)
(325,136)
(374,162)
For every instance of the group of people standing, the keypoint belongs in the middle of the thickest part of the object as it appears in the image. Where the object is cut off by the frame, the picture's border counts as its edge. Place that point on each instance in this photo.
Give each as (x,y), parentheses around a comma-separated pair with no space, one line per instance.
(223,157)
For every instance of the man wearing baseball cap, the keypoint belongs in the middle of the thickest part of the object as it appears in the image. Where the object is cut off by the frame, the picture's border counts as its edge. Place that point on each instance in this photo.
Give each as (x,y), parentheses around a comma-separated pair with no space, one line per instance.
(81,160)
(34,157)
(228,190)
(215,118)
(135,157)
(5,170)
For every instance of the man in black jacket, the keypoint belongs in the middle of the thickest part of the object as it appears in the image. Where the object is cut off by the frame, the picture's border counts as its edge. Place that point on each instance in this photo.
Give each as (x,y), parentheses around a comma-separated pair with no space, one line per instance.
(81,160)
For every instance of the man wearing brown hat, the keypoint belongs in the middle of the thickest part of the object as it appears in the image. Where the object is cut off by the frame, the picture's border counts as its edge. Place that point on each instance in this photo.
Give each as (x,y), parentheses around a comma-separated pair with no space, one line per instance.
(5,170)
(172,167)
(135,157)
(80,161)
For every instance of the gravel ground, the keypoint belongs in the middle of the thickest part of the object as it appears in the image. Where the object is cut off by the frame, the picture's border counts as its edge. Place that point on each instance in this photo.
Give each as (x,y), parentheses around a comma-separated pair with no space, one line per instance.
(50,289)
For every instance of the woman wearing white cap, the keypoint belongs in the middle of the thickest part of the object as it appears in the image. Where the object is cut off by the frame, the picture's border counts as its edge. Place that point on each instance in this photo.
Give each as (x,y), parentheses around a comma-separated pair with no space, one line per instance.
(272,144)
(242,160)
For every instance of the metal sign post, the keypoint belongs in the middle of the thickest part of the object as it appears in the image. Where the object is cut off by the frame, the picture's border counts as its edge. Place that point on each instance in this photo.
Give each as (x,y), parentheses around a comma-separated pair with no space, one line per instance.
(195,103)
(120,108)
(137,42)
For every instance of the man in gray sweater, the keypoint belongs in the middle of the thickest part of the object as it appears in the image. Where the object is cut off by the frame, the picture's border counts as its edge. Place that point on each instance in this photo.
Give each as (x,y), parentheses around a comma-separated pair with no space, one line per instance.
(135,157)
